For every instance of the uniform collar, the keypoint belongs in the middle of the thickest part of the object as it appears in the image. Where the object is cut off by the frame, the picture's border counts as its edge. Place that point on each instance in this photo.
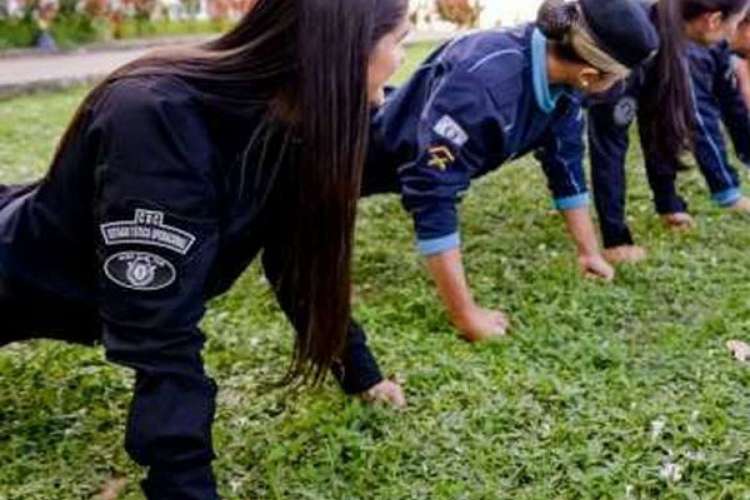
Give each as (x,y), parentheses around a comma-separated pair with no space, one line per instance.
(546,97)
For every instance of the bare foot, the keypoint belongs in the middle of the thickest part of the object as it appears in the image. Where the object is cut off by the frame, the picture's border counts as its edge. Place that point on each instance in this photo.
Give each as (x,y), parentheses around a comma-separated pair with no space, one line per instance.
(625,254)
(679,221)
(741,206)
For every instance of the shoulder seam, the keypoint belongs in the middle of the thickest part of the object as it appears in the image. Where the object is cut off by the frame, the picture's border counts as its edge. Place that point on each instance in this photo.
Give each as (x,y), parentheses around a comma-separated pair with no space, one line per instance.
(491,56)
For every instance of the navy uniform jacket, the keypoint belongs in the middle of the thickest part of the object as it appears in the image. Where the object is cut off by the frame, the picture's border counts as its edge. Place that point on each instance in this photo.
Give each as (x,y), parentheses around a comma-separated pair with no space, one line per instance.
(154,208)
(476,103)
(718,98)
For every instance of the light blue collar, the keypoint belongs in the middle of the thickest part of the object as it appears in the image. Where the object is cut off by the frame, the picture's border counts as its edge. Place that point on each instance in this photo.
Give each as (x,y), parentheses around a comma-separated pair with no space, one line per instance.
(546,97)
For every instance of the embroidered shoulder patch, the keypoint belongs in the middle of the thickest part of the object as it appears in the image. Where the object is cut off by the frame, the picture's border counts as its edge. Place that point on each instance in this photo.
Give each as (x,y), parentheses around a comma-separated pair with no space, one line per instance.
(141,271)
(441,157)
(447,128)
(147,228)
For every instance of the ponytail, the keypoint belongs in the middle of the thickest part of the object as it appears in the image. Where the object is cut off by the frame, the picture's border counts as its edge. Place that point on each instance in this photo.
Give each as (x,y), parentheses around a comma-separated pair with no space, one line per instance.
(566,26)
(556,18)
(667,107)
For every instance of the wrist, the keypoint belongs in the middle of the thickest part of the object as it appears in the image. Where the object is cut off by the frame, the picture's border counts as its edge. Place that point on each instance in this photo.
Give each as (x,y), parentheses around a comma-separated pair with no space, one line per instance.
(371,385)
(461,316)
(588,253)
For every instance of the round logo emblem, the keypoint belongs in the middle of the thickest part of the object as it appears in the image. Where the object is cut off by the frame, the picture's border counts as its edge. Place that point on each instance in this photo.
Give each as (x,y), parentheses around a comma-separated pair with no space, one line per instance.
(625,111)
(140,271)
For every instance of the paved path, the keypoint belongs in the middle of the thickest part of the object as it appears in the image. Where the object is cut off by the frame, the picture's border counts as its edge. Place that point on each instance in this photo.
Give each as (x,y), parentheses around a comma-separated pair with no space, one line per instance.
(22,74)
(28,70)
(33,72)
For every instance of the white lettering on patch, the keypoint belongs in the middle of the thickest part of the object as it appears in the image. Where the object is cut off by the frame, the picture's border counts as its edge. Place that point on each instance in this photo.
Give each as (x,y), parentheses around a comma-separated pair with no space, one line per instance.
(447,128)
(147,228)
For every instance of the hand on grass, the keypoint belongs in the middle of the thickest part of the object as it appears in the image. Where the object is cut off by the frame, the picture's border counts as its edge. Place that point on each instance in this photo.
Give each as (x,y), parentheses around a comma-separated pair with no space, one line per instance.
(478,324)
(594,266)
(388,392)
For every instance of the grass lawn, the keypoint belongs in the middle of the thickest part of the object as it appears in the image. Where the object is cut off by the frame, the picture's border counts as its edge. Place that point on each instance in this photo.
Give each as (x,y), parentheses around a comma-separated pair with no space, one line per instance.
(600,390)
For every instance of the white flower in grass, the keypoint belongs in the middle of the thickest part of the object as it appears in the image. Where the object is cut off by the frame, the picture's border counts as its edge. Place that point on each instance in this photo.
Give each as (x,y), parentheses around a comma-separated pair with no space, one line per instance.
(657,427)
(671,472)
(740,350)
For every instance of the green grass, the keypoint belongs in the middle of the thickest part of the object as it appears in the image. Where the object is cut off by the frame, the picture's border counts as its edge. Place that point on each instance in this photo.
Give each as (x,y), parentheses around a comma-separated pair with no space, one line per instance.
(565,408)
(132,29)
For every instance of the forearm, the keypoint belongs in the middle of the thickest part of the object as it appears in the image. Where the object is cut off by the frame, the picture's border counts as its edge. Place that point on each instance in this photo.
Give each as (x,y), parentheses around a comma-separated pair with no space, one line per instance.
(357,371)
(581,229)
(447,272)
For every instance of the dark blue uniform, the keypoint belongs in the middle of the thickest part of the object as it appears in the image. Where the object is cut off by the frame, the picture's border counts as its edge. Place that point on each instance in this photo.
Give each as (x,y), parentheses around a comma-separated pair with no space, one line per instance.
(716,98)
(155,206)
(477,102)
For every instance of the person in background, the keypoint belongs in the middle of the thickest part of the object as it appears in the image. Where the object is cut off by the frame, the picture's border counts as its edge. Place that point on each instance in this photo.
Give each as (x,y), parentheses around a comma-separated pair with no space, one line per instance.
(718,98)
(741,48)
(662,96)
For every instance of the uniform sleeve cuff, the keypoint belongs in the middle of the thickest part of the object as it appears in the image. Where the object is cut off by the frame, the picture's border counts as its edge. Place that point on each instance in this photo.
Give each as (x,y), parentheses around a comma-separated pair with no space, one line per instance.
(439,245)
(359,373)
(727,198)
(572,202)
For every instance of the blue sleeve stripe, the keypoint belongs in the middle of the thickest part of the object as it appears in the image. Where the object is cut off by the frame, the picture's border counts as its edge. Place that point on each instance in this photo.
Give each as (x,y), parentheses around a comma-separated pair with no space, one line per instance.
(727,197)
(719,153)
(572,202)
(439,245)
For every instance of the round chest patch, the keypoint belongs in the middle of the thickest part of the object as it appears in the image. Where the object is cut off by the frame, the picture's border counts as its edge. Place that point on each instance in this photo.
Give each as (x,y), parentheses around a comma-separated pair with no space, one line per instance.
(731,77)
(140,271)
(625,110)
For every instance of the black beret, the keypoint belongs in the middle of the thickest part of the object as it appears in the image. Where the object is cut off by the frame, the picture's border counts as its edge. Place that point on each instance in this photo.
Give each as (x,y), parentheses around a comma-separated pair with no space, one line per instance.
(623,28)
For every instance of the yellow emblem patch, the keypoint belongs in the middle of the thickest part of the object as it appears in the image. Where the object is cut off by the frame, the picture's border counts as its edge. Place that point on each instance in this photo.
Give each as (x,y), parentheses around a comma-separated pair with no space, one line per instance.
(441,157)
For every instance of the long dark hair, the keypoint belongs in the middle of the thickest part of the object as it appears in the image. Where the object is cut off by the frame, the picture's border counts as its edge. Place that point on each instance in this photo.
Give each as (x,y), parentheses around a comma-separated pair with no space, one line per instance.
(668,104)
(307,61)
